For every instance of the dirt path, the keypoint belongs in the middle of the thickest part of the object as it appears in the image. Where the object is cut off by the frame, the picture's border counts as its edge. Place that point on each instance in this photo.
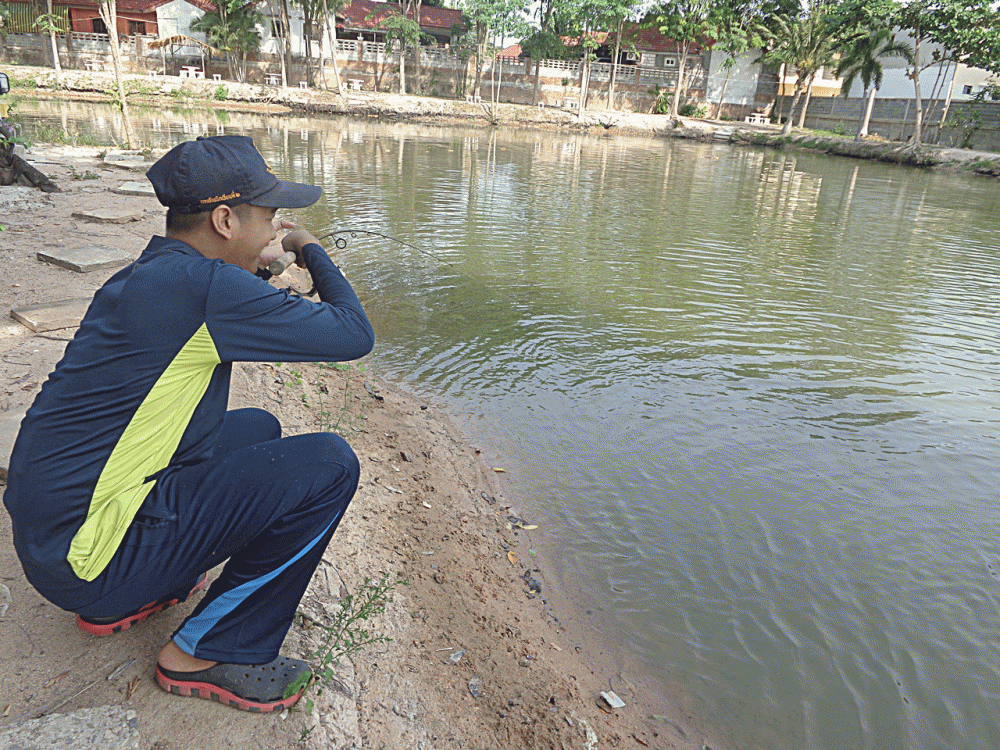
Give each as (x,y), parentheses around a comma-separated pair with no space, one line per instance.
(478,658)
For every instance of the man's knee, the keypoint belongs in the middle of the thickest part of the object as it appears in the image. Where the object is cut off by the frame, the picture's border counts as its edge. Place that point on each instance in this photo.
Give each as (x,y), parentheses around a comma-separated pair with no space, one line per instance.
(263,423)
(325,448)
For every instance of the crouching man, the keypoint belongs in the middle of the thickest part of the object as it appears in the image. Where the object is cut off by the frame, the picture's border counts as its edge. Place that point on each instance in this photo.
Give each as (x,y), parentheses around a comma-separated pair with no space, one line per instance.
(129,478)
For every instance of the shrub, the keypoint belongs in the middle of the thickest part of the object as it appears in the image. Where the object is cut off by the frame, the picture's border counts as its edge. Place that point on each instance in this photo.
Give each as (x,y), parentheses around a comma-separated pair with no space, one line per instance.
(661,105)
(693,110)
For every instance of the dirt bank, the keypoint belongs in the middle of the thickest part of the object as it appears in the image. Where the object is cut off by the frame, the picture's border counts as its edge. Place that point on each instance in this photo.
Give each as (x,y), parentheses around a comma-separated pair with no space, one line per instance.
(479,657)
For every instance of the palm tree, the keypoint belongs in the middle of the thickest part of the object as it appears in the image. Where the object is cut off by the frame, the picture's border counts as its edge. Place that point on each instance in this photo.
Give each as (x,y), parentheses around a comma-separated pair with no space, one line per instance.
(861,59)
(803,42)
(234,31)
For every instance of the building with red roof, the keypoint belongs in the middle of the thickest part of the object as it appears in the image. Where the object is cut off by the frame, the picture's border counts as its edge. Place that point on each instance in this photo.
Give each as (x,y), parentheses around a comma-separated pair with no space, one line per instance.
(361,19)
(135,17)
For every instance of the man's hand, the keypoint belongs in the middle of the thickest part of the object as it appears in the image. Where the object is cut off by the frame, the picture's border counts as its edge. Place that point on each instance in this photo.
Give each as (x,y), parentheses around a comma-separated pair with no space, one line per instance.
(293,242)
(274,250)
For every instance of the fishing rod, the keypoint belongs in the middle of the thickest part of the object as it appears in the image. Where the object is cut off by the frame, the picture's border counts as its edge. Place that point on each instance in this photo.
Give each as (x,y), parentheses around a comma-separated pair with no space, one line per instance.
(278,266)
(342,237)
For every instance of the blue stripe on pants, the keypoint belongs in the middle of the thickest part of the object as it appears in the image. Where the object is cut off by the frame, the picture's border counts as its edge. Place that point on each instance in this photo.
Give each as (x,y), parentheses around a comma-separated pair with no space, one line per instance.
(195,627)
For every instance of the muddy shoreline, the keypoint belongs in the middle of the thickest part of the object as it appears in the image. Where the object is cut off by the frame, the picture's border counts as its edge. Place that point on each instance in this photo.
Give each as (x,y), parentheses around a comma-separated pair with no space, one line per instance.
(479,657)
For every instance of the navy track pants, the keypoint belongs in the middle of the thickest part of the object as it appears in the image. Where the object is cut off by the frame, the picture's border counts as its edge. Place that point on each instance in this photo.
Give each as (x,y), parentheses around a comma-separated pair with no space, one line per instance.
(268,505)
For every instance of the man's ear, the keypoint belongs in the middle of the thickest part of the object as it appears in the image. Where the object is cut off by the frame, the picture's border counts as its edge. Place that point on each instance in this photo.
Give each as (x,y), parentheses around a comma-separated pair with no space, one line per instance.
(224,221)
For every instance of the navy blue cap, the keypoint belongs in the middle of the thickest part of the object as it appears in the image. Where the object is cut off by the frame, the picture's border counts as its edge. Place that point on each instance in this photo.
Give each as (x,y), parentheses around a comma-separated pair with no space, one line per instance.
(199,175)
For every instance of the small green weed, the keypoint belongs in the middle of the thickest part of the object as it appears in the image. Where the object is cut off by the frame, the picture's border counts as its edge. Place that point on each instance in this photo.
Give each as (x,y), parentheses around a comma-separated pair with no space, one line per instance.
(88,175)
(221,93)
(343,418)
(345,635)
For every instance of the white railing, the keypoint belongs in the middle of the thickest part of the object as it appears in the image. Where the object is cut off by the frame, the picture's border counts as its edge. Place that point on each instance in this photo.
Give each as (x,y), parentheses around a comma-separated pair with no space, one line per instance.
(603,71)
(437,53)
(347,45)
(573,65)
(84,36)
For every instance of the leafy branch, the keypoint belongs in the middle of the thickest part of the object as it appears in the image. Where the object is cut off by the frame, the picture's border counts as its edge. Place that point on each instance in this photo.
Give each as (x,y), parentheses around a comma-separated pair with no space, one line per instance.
(346,635)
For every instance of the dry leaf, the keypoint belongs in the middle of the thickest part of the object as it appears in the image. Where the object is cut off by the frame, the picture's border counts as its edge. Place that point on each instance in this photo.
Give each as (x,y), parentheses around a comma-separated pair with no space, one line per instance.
(426,505)
(55,679)
(512,557)
(555,647)
(640,741)
(132,685)
(498,470)
(6,709)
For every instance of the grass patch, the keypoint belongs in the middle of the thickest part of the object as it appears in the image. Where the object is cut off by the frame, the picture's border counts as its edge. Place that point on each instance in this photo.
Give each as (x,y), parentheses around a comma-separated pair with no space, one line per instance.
(55,135)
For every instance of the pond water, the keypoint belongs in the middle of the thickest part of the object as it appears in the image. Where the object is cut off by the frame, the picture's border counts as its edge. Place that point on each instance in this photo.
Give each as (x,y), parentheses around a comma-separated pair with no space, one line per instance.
(751,397)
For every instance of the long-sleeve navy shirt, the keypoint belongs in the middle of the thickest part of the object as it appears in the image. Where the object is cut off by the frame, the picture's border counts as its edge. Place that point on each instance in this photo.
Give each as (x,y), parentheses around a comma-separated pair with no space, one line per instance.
(144,385)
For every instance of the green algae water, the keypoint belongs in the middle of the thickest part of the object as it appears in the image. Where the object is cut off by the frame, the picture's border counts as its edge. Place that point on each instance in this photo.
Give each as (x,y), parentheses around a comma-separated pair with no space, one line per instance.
(751,397)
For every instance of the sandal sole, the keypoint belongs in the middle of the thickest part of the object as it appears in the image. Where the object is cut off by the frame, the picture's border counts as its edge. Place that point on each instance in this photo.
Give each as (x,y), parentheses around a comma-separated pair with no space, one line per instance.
(208,691)
(126,622)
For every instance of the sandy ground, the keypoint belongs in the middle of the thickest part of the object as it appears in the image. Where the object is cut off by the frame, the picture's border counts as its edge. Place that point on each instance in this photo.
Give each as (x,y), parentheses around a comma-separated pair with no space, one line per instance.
(479,657)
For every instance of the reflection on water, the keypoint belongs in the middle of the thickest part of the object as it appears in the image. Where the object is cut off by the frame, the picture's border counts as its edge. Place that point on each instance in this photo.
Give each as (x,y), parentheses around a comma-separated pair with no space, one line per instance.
(751,396)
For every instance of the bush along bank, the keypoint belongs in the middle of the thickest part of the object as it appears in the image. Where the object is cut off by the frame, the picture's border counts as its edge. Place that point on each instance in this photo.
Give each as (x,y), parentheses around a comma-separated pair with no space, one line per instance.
(922,155)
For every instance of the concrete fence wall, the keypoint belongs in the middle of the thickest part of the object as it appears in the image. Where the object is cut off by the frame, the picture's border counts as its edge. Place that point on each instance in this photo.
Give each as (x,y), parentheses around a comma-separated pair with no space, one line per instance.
(429,71)
(892,119)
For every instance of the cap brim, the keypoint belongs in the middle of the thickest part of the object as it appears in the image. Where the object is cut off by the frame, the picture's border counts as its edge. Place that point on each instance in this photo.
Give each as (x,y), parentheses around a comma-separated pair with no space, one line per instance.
(288,195)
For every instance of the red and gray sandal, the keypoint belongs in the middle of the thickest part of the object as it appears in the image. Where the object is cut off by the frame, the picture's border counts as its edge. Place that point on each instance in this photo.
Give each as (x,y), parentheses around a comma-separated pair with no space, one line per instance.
(111,625)
(257,688)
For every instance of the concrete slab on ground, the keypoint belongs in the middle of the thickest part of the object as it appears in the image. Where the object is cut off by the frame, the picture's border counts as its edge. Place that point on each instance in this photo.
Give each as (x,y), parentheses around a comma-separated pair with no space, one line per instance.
(10,423)
(134,188)
(108,216)
(131,162)
(87,258)
(50,316)
(106,727)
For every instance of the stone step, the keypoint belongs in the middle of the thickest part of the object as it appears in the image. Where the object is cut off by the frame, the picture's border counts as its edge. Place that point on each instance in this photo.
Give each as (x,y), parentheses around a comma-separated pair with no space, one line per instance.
(50,316)
(85,259)
(135,188)
(108,216)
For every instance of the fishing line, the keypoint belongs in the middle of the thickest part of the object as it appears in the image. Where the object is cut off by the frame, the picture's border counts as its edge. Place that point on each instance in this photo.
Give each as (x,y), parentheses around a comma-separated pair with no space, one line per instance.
(341,242)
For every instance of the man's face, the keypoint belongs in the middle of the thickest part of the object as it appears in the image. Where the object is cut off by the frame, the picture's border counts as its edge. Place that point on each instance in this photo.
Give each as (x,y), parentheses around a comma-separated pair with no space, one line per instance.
(254,232)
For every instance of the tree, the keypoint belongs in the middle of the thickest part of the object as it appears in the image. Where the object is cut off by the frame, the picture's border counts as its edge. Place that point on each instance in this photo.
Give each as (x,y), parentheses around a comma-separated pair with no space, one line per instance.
(493,21)
(331,32)
(109,14)
(968,31)
(736,28)
(311,10)
(686,22)
(232,29)
(616,13)
(49,23)
(806,42)
(542,45)
(861,58)
(405,32)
